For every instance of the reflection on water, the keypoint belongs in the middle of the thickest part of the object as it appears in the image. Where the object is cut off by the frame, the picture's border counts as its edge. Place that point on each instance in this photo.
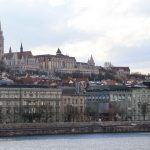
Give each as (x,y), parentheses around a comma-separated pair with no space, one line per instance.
(124,141)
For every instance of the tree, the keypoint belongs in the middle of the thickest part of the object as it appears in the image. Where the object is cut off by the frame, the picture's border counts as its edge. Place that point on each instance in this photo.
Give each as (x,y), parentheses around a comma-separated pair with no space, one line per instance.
(116,109)
(71,113)
(90,113)
(2,66)
(144,109)
(108,65)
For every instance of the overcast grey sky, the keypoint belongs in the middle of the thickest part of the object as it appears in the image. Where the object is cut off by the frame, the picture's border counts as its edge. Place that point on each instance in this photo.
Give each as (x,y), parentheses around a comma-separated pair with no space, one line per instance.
(110,30)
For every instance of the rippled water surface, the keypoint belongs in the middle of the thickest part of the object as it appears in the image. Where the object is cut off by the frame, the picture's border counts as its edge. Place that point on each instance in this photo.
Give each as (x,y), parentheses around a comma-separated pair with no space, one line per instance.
(127,141)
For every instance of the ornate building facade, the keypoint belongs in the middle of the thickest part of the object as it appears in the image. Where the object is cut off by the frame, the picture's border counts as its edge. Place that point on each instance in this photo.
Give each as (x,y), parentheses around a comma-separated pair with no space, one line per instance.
(141,103)
(29,103)
(24,61)
(21,62)
(55,63)
(109,102)
(65,64)
(73,105)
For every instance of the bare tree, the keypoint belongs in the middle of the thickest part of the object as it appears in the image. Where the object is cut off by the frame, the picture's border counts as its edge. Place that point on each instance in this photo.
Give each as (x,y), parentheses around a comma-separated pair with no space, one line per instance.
(108,65)
(116,110)
(71,113)
(2,66)
(90,113)
(144,109)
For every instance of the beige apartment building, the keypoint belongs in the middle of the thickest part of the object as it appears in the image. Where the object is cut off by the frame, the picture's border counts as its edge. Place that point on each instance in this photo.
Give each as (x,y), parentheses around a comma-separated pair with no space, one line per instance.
(73,105)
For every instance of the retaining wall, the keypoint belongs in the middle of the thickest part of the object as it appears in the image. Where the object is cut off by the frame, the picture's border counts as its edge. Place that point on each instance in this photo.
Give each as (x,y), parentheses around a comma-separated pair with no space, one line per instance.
(72,128)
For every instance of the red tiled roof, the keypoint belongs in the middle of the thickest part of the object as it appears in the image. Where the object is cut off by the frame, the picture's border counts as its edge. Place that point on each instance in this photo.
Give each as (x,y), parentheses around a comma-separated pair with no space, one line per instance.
(25,54)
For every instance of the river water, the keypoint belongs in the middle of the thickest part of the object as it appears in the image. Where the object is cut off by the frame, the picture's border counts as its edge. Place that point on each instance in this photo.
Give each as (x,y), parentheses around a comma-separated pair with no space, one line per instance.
(122,141)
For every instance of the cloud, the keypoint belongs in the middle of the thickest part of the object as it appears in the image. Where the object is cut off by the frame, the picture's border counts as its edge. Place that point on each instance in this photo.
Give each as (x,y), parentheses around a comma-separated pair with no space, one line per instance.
(32,3)
(55,3)
(110,30)
(120,29)
(120,21)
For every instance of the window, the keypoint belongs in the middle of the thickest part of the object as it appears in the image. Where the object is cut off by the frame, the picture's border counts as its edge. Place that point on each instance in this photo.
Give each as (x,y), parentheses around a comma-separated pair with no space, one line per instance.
(73,101)
(64,101)
(76,101)
(68,100)
(81,108)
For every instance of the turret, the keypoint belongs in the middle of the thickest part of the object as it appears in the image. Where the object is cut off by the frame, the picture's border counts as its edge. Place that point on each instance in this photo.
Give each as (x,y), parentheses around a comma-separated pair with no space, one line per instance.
(21,48)
(1,42)
(10,51)
(91,61)
(58,52)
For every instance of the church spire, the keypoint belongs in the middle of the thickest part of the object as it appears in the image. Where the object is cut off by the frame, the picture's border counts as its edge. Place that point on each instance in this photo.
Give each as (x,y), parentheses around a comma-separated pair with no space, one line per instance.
(58,52)
(10,51)
(1,29)
(1,42)
(21,48)
(0,25)
(91,61)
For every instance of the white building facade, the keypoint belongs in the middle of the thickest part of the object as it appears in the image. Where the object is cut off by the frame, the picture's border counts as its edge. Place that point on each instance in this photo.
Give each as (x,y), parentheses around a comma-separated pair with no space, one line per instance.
(21,62)
(24,103)
(65,64)
(141,103)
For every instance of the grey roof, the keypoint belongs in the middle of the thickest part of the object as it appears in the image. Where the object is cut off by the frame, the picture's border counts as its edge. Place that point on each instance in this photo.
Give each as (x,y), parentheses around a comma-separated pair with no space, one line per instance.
(48,56)
(82,63)
(68,90)
(106,88)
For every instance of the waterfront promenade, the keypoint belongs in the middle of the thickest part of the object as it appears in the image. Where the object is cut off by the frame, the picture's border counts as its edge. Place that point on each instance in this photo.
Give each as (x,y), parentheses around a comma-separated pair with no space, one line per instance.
(73,128)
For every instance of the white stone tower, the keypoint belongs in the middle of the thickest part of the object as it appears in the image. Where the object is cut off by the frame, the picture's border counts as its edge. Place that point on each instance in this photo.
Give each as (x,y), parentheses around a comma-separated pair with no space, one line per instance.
(1,42)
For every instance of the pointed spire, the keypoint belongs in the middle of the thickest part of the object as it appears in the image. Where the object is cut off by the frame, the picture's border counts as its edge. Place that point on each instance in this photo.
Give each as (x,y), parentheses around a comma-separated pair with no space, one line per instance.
(0,26)
(91,61)
(21,48)
(91,58)
(58,52)
(1,29)
(10,51)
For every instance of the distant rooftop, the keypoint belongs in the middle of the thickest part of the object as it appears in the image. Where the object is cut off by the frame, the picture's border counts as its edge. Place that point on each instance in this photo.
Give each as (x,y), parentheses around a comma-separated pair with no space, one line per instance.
(99,88)
(24,86)
(68,90)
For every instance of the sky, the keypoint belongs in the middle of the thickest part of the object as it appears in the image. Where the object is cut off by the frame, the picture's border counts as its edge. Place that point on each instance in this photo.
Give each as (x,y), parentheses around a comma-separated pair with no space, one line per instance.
(116,31)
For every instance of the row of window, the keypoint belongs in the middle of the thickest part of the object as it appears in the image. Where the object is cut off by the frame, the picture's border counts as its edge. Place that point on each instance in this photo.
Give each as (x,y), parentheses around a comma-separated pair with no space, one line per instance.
(98,97)
(30,96)
(39,103)
(73,101)
(141,96)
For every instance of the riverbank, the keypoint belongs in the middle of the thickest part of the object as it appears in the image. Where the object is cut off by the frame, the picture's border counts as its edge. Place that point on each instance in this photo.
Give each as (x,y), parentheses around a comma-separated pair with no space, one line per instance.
(73,128)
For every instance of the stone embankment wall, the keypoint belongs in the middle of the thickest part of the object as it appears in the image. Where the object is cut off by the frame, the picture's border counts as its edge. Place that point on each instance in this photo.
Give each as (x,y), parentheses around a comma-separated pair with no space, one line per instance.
(72,128)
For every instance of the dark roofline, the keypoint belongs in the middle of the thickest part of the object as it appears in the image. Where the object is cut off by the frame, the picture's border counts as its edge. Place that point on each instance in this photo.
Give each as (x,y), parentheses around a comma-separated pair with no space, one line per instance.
(57,56)
(44,55)
(107,88)
(82,63)
(17,52)
(126,68)
(23,86)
